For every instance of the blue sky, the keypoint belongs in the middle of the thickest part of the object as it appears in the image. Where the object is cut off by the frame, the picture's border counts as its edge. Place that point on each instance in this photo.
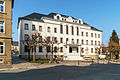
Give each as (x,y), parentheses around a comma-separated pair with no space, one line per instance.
(102,14)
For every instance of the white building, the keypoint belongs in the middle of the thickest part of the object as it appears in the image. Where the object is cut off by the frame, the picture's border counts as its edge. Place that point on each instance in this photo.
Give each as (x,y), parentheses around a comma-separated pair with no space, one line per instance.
(77,39)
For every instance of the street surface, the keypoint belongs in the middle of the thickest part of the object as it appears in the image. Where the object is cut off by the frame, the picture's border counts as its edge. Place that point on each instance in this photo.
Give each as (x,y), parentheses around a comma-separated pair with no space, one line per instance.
(93,72)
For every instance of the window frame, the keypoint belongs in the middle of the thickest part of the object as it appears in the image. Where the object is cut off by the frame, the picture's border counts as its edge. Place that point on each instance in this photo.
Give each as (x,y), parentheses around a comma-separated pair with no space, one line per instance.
(3,48)
(25,26)
(2,60)
(61,49)
(40,49)
(67,29)
(33,29)
(40,29)
(55,30)
(92,51)
(3,24)
(48,29)
(61,40)
(3,7)
(61,29)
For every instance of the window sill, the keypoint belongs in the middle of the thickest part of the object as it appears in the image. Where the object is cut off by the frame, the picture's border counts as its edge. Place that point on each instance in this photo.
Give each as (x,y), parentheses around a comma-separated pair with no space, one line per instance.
(2,54)
(3,13)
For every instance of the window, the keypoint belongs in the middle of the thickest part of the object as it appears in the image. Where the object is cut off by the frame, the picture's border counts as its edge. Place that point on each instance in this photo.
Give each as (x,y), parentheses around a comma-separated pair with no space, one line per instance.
(33,27)
(48,29)
(87,42)
(70,50)
(87,34)
(95,42)
(91,42)
(58,17)
(26,48)
(61,29)
(82,41)
(91,50)
(40,48)
(77,49)
(66,29)
(61,49)
(79,21)
(1,27)
(48,49)
(72,30)
(1,6)
(99,43)
(91,34)
(61,40)
(55,49)
(55,39)
(48,39)
(98,35)
(40,38)
(55,30)
(77,31)
(1,60)
(82,50)
(72,41)
(77,41)
(26,27)
(26,37)
(95,35)
(82,33)
(95,50)
(67,40)
(1,48)
(40,28)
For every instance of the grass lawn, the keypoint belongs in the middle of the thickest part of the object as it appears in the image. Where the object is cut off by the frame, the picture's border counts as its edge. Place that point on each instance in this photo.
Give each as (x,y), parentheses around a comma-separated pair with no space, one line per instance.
(40,61)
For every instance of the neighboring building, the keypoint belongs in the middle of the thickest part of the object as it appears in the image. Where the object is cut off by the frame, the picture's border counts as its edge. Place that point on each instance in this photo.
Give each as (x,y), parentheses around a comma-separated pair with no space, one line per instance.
(77,39)
(5,30)
(15,48)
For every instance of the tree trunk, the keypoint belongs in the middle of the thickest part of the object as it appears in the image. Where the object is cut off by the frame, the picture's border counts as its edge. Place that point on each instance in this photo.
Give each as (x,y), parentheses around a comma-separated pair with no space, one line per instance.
(29,55)
(34,54)
(52,54)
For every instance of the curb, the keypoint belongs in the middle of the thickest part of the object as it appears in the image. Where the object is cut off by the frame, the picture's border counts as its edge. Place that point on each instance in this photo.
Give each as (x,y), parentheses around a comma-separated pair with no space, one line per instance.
(26,68)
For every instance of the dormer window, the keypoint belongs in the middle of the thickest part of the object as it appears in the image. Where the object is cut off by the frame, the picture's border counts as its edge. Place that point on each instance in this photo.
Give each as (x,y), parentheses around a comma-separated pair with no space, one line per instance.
(58,17)
(79,21)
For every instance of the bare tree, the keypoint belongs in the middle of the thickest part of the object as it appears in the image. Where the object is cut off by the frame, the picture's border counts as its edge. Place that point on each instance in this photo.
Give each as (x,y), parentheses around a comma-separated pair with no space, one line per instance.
(50,42)
(32,41)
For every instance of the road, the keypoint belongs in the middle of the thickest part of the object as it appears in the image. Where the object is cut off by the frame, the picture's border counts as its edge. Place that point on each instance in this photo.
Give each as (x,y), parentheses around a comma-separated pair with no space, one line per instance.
(93,72)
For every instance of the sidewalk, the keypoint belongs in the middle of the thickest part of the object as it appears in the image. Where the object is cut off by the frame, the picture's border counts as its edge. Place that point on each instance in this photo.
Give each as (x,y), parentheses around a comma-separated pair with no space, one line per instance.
(28,66)
(20,64)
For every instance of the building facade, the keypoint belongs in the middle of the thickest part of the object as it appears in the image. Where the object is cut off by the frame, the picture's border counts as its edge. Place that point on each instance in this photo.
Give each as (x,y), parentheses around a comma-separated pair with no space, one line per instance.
(5,30)
(14,47)
(76,38)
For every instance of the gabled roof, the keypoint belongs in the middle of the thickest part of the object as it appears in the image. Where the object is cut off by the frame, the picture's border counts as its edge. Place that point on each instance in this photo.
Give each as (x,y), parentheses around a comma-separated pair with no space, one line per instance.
(35,16)
(53,14)
(38,16)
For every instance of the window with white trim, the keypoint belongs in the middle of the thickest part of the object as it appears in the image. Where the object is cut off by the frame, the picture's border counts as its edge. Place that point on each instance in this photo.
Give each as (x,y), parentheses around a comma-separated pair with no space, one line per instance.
(1,27)
(1,48)
(1,6)
(26,36)
(1,60)
(26,26)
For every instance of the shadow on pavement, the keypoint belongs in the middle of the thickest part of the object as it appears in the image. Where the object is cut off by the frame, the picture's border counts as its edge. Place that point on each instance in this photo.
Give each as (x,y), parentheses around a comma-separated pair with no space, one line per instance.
(17,60)
(92,72)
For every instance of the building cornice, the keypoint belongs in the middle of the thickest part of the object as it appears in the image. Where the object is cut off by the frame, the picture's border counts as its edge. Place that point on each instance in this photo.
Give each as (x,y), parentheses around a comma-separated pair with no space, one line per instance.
(65,22)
